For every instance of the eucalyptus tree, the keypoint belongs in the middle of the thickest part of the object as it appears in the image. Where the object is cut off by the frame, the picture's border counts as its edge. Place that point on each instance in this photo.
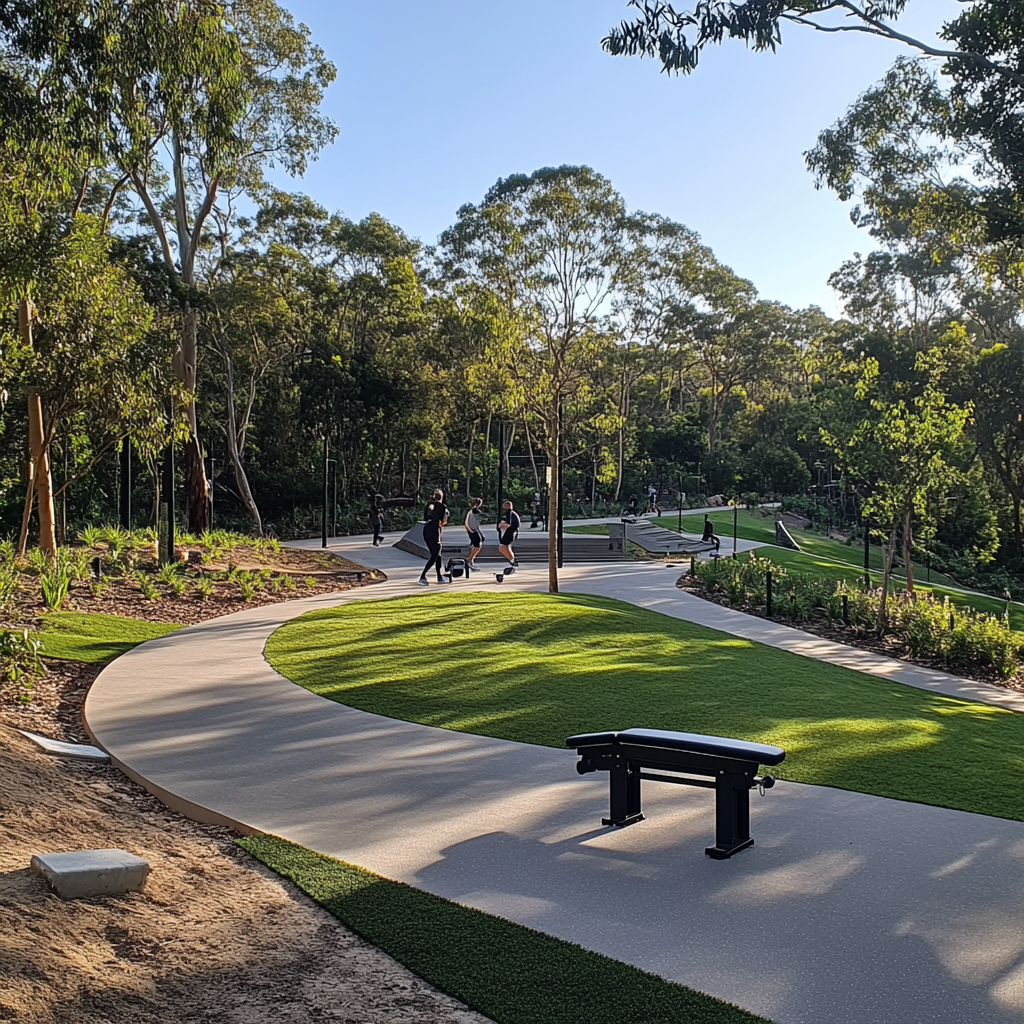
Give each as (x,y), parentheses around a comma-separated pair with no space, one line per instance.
(550,247)
(906,446)
(191,100)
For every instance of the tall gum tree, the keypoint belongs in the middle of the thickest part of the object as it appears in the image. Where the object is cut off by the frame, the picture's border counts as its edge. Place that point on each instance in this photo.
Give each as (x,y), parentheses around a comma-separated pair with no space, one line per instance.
(550,248)
(190,101)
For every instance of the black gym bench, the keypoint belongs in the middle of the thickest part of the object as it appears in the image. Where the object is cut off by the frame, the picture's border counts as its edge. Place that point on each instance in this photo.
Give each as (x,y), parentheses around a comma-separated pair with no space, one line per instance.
(731,767)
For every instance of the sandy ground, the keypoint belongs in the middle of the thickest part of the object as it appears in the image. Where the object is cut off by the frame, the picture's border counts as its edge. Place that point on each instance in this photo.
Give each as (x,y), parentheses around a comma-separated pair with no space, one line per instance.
(215,937)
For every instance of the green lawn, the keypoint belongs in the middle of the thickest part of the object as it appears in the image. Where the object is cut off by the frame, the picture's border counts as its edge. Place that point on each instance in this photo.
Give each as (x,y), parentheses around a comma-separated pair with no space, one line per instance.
(88,636)
(537,668)
(510,973)
(598,529)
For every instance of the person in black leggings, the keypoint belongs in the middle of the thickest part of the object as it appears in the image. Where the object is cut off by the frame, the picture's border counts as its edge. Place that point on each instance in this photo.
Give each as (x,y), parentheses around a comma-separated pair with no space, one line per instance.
(437,516)
(377,517)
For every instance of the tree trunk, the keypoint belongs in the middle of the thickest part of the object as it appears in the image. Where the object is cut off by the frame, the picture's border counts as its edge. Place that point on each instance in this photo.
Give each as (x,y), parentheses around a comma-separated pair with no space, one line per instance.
(907,545)
(39,457)
(554,457)
(888,551)
(1018,537)
(469,462)
(26,516)
(235,453)
(197,493)
(533,461)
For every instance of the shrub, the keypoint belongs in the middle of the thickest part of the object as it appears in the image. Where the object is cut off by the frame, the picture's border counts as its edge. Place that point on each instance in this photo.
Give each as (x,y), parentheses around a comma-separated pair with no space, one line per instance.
(204,587)
(56,577)
(19,660)
(246,585)
(147,586)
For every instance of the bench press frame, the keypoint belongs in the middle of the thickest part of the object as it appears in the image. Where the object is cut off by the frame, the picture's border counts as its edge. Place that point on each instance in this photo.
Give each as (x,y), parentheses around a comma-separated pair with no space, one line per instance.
(731,777)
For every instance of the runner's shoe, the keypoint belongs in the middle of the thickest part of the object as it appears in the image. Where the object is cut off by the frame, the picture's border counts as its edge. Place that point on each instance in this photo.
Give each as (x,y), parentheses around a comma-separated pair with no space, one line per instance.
(445,579)
(423,581)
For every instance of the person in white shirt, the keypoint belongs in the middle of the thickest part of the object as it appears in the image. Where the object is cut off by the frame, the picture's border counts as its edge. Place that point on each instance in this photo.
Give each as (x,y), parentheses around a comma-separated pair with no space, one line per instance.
(476,536)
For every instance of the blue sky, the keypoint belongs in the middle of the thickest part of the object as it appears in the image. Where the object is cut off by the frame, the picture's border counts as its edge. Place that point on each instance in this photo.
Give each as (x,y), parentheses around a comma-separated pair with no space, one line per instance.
(437,101)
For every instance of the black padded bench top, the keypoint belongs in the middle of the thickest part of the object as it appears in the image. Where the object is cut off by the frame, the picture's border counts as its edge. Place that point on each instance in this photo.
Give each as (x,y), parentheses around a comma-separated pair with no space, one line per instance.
(717,746)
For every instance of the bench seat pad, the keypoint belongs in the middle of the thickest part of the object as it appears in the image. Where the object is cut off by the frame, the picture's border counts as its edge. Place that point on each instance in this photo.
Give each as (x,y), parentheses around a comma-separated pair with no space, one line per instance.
(718,746)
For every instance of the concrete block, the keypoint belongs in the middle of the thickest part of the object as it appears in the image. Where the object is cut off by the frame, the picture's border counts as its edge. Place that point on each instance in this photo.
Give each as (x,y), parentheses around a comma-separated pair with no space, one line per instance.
(57,748)
(91,872)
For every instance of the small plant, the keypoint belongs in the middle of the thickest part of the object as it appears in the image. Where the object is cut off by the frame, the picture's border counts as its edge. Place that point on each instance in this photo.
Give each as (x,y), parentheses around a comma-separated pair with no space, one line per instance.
(310,581)
(99,586)
(56,576)
(246,585)
(19,660)
(90,536)
(170,571)
(177,585)
(204,587)
(147,586)
(8,583)
(289,583)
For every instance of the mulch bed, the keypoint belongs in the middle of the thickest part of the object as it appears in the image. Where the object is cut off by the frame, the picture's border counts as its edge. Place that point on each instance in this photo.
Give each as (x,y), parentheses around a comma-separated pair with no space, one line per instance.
(855,636)
(55,707)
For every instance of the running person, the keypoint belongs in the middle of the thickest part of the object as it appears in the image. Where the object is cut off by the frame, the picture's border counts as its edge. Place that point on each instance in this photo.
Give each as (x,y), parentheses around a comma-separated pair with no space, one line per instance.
(437,516)
(509,531)
(476,537)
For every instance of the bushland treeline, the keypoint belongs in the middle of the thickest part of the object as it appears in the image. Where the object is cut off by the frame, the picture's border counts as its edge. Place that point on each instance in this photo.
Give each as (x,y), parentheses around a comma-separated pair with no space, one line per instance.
(156,289)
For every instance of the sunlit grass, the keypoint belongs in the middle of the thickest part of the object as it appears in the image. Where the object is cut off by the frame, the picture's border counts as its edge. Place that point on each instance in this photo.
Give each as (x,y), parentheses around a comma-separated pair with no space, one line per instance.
(90,636)
(537,668)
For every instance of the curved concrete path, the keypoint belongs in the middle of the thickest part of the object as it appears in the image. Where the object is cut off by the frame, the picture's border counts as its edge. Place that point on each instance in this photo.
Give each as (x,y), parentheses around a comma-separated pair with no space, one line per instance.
(850,909)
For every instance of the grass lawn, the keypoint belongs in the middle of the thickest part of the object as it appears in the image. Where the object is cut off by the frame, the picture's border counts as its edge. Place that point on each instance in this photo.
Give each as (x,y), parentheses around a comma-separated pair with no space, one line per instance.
(537,668)
(598,529)
(89,636)
(540,980)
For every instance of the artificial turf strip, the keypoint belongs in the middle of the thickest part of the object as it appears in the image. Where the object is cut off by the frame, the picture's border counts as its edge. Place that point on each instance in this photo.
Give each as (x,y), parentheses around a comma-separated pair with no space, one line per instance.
(510,973)
(89,636)
(537,668)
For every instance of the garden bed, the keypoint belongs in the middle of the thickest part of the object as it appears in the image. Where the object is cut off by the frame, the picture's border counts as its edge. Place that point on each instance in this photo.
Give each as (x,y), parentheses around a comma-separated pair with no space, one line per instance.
(889,646)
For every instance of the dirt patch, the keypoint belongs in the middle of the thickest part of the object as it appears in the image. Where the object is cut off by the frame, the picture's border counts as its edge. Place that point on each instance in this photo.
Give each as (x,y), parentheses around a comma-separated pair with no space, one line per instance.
(891,646)
(214,938)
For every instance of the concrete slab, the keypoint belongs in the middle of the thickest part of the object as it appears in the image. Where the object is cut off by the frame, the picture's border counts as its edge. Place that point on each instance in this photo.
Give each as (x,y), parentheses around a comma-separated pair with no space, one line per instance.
(849,909)
(91,872)
(76,751)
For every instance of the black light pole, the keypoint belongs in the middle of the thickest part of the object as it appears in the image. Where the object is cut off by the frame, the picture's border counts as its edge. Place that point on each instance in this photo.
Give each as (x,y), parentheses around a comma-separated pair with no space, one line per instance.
(125,502)
(323,517)
(334,506)
(679,526)
(500,494)
(561,488)
(735,521)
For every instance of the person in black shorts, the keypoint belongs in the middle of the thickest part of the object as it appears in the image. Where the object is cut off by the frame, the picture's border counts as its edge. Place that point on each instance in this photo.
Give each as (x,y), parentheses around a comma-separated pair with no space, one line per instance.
(437,516)
(709,534)
(509,528)
(475,534)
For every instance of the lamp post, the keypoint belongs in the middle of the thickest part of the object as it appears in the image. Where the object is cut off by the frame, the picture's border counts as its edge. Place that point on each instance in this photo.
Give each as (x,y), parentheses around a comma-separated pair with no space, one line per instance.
(323,517)
(735,523)
(125,496)
(213,464)
(679,495)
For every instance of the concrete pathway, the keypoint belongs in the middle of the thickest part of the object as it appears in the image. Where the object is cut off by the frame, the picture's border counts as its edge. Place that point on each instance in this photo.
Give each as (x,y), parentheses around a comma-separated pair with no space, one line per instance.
(849,909)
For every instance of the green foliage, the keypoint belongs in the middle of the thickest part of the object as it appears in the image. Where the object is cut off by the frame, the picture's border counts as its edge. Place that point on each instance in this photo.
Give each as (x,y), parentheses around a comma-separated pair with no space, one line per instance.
(147,587)
(542,979)
(56,577)
(19,660)
(204,587)
(960,637)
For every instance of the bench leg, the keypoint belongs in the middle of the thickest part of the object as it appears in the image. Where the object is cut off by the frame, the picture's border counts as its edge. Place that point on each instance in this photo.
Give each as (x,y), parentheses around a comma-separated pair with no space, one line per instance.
(732,815)
(625,794)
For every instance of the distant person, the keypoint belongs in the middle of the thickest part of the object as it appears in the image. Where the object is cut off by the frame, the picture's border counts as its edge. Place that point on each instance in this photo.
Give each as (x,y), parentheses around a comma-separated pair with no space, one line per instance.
(377,518)
(535,513)
(709,533)
(436,518)
(509,528)
(476,536)
(634,504)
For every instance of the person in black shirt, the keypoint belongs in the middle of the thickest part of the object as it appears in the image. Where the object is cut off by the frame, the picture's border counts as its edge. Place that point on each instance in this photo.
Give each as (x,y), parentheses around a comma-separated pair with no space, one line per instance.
(377,517)
(709,534)
(509,531)
(437,516)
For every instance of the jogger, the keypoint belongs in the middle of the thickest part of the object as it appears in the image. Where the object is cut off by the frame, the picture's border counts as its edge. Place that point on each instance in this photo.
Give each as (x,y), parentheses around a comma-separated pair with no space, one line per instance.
(437,516)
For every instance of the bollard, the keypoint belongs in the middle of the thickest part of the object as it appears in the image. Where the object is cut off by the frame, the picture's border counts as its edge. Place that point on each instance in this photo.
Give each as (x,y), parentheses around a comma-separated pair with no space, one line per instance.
(693,565)
(846,609)
(97,567)
(768,592)
(952,621)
